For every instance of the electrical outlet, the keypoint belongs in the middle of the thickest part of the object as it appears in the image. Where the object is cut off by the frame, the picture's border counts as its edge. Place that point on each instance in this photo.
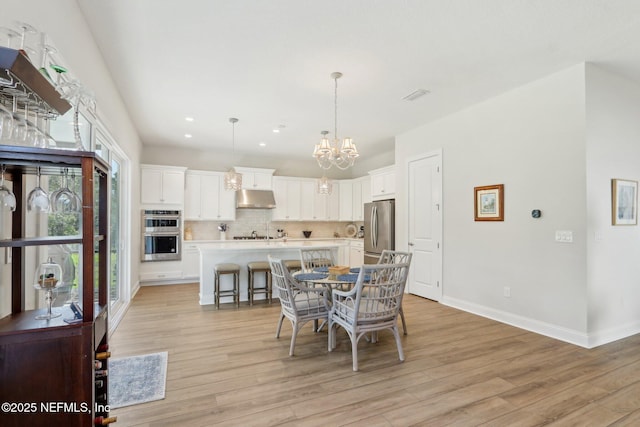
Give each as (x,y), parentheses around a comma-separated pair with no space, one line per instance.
(507,292)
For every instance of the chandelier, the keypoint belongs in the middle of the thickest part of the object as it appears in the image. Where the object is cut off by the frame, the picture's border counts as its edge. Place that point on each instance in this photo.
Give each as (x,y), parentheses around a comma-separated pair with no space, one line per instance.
(233,179)
(341,154)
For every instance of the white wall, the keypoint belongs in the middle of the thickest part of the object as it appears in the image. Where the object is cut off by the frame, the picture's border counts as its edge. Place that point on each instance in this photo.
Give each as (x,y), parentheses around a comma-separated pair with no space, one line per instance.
(532,140)
(613,151)
(64,24)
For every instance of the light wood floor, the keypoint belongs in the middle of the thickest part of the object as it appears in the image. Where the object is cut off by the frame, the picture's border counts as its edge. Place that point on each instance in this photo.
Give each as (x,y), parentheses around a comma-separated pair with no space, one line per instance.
(226,368)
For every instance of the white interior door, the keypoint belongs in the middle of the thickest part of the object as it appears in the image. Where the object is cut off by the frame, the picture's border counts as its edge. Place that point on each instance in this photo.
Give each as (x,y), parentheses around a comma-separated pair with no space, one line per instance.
(425,225)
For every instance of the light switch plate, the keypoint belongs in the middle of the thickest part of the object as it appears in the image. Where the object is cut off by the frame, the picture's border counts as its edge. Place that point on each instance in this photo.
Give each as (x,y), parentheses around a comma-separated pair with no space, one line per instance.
(564,236)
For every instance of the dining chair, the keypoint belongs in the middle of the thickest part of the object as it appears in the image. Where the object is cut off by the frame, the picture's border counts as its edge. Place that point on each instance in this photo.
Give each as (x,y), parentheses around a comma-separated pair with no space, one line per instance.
(371,306)
(299,303)
(389,256)
(311,258)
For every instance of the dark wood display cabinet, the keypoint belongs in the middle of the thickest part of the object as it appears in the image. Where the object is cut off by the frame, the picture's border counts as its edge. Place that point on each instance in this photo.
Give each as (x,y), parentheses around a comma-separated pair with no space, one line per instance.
(52,371)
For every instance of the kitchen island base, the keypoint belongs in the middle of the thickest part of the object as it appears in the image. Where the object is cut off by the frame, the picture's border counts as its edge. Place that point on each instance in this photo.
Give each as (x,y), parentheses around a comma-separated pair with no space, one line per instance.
(242,253)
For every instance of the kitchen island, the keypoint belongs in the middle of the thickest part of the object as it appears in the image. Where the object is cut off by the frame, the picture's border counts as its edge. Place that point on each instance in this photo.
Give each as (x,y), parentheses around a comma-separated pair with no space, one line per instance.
(242,252)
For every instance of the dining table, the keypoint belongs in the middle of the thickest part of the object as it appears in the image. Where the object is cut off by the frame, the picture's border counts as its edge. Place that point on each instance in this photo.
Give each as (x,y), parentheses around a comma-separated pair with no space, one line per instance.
(320,277)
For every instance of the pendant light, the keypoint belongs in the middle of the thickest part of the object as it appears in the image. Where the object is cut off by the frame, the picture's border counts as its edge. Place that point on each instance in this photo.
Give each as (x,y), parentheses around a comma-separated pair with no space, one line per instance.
(341,154)
(233,179)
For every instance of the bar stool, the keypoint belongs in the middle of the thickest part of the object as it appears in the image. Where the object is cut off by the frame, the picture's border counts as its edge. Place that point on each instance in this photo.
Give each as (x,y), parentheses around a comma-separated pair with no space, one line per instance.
(293,265)
(227,268)
(259,267)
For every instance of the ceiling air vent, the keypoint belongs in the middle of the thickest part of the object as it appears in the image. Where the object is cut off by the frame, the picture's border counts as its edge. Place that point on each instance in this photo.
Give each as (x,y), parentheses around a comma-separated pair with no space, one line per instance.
(415,95)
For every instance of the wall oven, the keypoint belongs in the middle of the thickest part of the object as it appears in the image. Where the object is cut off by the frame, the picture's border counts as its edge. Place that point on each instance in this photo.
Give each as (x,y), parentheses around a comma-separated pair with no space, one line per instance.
(161,235)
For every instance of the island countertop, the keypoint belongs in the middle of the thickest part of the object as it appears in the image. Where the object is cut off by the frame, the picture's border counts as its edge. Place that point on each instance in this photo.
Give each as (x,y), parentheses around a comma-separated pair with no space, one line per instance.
(242,252)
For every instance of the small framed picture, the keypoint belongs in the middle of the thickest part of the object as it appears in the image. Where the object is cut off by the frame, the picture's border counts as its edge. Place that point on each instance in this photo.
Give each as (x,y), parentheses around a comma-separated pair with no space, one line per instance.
(489,203)
(624,202)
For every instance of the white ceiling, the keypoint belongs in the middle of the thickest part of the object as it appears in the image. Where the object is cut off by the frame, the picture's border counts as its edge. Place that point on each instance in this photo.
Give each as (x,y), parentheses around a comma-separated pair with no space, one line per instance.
(268,62)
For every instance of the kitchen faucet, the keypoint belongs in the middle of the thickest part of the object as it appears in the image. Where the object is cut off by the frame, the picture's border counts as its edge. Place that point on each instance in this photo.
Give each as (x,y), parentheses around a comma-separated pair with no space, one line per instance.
(254,235)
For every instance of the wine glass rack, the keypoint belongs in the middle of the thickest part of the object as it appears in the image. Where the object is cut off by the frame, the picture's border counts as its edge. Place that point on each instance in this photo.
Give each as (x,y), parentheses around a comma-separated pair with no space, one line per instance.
(21,80)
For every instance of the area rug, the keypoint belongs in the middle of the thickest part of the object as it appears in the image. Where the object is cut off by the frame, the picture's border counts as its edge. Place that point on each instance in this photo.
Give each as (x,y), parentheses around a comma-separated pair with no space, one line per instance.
(137,379)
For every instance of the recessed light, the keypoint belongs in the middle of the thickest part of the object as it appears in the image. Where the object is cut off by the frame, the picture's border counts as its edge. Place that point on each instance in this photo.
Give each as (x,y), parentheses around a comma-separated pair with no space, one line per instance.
(276,131)
(189,119)
(188,135)
(262,144)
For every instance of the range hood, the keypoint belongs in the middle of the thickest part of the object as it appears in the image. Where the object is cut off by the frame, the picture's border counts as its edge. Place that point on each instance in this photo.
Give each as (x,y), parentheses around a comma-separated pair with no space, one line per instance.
(255,199)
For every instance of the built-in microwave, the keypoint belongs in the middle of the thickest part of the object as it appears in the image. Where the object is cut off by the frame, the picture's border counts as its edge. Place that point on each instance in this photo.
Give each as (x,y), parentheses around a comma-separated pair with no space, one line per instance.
(161,235)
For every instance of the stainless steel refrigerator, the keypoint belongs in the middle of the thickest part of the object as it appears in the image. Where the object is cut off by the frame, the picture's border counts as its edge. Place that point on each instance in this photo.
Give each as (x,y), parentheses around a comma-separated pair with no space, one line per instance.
(379,229)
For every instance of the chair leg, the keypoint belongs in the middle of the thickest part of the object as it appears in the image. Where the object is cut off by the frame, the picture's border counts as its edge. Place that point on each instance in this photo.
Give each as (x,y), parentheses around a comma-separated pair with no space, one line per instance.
(396,334)
(354,351)
(404,324)
(279,325)
(216,290)
(236,284)
(269,287)
(250,287)
(294,334)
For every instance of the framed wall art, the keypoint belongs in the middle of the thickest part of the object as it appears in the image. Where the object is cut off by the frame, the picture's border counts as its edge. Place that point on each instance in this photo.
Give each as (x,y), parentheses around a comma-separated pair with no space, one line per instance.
(489,203)
(624,202)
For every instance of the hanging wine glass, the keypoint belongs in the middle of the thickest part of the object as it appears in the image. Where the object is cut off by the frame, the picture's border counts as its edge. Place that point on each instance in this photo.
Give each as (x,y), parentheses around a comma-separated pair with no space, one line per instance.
(78,202)
(7,198)
(6,123)
(48,277)
(38,199)
(63,199)
(20,127)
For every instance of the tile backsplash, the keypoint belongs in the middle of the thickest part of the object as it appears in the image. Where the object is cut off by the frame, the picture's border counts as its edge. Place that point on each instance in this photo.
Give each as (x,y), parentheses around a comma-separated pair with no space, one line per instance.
(248,220)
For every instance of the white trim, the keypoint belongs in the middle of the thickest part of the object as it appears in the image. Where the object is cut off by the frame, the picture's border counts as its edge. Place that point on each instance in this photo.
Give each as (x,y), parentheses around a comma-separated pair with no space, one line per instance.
(553,331)
(613,334)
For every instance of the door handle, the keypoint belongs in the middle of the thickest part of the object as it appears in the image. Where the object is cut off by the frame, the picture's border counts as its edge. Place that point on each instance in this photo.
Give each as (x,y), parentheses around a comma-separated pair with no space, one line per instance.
(410,244)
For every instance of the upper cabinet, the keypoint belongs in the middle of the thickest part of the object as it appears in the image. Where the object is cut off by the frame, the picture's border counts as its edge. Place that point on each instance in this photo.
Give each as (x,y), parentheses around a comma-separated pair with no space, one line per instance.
(206,199)
(287,192)
(354,193)
(256,178)
(298,199)
(162,185)
(383,183)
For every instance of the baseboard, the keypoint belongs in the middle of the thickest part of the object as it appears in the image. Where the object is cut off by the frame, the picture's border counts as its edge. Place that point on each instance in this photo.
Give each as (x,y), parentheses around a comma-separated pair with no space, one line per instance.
(613,334)
(542,328)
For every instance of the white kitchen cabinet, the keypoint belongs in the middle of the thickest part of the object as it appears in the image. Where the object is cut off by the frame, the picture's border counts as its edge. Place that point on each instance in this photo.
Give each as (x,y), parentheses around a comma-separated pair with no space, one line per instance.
(160,271)
(356,253)
(318,207)
(383,183)
(190,261)
(307,200)
(346,200)
(287,192)
(162,185)
(354,193)
(365,182)
(333,203)
(206,198)
(256,178)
